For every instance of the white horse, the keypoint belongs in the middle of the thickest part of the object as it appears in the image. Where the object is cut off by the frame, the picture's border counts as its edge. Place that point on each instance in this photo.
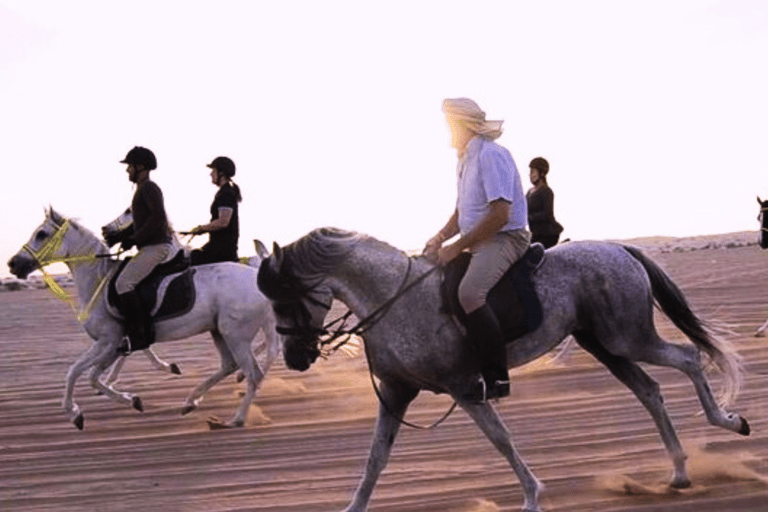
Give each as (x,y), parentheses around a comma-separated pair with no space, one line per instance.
(115,232)
(228,304)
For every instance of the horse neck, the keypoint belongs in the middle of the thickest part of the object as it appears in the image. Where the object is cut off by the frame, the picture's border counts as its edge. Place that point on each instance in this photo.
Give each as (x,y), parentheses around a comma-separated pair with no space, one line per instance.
(87,274)
(369,278)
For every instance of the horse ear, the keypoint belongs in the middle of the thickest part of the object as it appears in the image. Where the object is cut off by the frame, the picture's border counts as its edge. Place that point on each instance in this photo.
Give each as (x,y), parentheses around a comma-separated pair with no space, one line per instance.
(277,257)
(760,201)
(261,249)
(55,216)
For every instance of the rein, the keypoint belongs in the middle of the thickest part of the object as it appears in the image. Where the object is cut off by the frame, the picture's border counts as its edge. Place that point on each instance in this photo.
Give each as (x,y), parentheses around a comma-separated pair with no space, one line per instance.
(369,321)
(46,256)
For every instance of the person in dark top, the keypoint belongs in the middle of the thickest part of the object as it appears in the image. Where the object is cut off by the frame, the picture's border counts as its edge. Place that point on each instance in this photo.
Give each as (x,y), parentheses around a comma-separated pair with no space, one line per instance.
(153,239)
(224,229)
(541,206)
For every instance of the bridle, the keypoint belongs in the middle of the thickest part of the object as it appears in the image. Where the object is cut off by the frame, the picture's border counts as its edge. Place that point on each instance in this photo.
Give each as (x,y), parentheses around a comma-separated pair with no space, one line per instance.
(46,255)
(344,335)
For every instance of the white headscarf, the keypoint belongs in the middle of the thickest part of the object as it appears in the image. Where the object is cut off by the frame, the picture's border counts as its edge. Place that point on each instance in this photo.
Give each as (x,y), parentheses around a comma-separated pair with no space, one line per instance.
(469,112)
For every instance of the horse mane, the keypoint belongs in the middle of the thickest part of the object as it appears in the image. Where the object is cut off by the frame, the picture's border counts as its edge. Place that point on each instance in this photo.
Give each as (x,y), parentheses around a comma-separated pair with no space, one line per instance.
(319,251)
(59,219)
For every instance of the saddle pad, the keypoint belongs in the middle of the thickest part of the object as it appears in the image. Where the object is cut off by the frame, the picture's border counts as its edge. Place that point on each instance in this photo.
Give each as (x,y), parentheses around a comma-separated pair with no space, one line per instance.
(179,296)
(513,299)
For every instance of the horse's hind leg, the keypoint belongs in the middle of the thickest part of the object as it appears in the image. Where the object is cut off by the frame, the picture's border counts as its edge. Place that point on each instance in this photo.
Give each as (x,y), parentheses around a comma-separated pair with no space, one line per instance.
(486,417)
(647,391)
(687,360)
(397,398)
(228,366)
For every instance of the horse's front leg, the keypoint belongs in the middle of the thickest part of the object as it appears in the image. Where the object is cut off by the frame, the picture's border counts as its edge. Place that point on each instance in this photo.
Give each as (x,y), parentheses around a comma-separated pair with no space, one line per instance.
(486,417)
(108,390)
(761,332)
(161,364)
(99,351)
(397,398)
(115,371)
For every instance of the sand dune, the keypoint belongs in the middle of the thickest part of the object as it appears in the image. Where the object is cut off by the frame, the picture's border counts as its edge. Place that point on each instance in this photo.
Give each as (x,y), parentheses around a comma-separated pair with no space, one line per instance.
(583,434)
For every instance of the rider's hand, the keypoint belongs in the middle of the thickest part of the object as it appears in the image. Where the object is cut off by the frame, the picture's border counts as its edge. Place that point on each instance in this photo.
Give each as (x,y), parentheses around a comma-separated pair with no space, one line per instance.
(431,250)
(447,253)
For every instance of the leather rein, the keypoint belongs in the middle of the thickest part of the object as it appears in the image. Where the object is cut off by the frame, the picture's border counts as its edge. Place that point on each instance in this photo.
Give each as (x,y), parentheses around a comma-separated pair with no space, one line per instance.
(363,326)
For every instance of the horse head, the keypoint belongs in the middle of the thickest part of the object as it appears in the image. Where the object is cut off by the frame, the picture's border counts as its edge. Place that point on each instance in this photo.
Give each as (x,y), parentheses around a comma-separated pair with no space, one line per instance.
(45,242)
(119,229)
(763,219)
(299,310)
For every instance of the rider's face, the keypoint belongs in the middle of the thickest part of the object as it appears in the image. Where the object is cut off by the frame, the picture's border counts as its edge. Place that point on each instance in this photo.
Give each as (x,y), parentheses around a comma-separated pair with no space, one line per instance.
(214,176)
(535,176)
(133,172)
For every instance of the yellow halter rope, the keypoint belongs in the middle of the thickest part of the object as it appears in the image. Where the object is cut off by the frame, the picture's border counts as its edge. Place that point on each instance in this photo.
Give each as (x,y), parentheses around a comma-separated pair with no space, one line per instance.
(47,256)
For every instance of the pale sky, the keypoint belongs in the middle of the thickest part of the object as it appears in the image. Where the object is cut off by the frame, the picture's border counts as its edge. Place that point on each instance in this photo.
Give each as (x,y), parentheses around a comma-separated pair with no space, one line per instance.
(652,114)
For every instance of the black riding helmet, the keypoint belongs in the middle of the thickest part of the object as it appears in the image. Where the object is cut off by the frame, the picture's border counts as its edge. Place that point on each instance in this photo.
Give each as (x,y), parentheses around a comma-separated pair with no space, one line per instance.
(224,165)
(141,156)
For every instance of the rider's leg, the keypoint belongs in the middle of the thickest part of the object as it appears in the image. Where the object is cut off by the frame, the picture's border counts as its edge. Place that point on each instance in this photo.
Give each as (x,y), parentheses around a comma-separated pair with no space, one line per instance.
(489,262)
(137,322)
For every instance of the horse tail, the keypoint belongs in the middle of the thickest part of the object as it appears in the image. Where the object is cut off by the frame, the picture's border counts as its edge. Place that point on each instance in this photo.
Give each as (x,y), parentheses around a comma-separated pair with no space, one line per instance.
(670,299)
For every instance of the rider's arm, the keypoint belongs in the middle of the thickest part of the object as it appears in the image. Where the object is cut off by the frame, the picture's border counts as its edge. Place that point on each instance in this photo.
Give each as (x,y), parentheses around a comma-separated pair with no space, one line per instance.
(494,220)
(225,215)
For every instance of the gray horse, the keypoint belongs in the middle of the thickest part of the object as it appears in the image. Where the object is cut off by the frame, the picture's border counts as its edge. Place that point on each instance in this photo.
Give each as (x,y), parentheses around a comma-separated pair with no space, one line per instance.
(602,293)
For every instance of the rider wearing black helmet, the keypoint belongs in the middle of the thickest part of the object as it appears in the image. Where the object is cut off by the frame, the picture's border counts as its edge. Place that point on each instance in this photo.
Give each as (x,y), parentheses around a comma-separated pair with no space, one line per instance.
(224,227)
(152,236)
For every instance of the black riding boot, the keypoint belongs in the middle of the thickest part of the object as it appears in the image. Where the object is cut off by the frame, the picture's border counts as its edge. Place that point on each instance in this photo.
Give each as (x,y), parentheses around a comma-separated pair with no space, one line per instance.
(485,333)
(138,325)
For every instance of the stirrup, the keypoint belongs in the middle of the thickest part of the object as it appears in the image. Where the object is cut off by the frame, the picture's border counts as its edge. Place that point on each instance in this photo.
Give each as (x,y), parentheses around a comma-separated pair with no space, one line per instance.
(500,389)
(124,348)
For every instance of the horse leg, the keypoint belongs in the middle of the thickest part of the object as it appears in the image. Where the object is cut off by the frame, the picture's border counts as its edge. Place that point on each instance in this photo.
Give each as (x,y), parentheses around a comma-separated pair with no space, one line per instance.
(647,391)
(114,373)
(760,333)
(98,351)
(107,389)
(160,364)
(228,366)
(687,360)
(397,398)
(243,355)
(486,417)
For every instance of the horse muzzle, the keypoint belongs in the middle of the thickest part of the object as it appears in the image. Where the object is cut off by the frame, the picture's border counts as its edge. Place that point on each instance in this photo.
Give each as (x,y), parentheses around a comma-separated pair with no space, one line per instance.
(300,354)
(21,266)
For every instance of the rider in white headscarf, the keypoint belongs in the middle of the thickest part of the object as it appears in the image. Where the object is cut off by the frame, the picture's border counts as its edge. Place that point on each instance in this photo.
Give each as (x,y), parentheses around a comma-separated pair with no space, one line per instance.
(491,218)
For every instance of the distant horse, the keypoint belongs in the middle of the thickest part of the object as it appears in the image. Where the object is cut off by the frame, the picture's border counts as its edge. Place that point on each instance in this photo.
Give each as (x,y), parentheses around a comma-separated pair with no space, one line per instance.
(227,303)
(763,219)
(602,293)
(117,230)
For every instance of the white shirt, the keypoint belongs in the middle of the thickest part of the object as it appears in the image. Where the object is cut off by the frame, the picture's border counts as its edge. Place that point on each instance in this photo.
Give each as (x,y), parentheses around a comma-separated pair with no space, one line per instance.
(487,173)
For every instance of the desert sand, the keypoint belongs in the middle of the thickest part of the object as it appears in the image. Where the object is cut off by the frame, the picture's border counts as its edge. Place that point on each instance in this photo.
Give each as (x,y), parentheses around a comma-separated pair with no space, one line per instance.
(583,434)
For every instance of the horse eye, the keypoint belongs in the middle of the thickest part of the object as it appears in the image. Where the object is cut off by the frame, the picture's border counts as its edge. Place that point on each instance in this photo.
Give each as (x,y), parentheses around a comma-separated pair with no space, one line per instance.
(41,235)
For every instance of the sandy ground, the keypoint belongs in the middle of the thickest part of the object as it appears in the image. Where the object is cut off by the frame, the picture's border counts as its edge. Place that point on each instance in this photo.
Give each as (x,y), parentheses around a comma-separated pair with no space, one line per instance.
(307,440)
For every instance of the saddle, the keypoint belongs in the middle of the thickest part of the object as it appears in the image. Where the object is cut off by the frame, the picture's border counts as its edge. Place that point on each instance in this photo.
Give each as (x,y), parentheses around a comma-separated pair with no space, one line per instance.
(171,281)
(513,299)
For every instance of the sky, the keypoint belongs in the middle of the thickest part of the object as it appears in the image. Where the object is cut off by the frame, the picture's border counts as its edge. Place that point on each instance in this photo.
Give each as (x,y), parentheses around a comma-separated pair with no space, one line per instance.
(653,114)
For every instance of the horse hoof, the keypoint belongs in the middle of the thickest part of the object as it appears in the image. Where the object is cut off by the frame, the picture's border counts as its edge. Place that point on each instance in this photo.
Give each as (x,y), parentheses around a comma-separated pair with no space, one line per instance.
(682,484)
(175,369)
(79,422)
(187,409)
(215,423)
(136,402)
(745,430)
